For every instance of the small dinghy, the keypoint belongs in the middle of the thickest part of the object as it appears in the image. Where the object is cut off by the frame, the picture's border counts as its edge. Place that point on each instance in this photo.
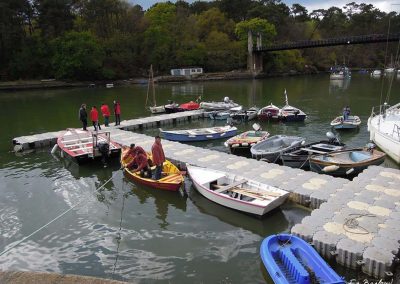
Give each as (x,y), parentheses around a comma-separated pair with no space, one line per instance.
(347,162)
(170,180)
(290,260)
(236,192)
(201,134)
(245,115)
(289,113)
(82,146)
(225,105)
(299,157)
(271,148)
(223,115)
(351,122)
(172,107)
(244,141)
(270,112)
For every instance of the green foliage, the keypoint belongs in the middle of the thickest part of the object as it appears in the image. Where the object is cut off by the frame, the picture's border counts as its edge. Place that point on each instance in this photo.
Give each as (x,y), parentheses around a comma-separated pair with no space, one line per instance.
(256,25)
(78,55)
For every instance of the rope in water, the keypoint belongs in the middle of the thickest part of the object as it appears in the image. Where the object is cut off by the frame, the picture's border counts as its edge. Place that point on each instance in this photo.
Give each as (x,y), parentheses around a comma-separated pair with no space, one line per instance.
(56,218)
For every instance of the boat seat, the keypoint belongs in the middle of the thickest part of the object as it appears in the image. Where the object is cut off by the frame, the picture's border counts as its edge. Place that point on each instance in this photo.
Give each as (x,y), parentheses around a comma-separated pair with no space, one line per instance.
(313,151)
(292,264)
(229,186)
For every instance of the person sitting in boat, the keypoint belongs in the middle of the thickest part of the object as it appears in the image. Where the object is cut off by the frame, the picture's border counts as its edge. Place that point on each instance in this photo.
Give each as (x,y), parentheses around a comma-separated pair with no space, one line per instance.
(141,164)
(132,152)
(346,112)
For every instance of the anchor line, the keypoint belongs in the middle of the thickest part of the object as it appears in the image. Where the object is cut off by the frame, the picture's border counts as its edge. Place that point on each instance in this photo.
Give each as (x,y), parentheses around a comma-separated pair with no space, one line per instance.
(55,219)
(118,238)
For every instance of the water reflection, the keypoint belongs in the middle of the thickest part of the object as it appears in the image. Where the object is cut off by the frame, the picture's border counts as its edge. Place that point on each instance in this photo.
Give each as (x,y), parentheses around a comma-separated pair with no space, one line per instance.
(187,89)
(337,86)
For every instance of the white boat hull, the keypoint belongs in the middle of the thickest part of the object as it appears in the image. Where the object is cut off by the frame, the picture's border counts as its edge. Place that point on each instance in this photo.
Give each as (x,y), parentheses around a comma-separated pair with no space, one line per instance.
(382,137)
(255,208)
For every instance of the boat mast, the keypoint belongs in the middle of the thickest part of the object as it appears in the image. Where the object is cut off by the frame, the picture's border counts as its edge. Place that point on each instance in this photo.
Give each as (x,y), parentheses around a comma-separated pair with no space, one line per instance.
(151,82)
(286,99)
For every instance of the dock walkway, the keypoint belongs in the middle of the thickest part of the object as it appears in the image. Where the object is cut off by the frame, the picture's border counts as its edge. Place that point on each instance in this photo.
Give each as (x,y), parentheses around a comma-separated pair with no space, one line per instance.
(354,222)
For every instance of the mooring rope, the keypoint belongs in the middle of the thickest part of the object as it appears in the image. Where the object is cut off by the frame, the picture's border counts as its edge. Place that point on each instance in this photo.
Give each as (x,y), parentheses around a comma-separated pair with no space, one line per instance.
(56,218)
(352,223)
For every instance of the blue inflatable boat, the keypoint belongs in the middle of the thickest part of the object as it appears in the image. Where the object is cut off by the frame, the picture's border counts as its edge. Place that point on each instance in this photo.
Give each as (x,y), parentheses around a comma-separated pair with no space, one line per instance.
(289,259)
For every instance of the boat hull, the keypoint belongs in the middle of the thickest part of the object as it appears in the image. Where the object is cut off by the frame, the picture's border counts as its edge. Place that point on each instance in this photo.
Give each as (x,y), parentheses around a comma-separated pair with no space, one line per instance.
(293,117)
(383,140)
(290,260)
(233,203)
(325,165)
(198,137)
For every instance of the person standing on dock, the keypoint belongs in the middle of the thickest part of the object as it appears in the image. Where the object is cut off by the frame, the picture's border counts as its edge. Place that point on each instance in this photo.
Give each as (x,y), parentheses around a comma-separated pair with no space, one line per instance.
(83,116)
(94,116)
(158,157)
(106,113)
(117,112)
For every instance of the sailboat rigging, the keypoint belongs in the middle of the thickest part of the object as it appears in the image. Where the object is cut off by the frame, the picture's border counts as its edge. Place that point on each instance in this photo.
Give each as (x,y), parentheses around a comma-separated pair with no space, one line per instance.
(154,108)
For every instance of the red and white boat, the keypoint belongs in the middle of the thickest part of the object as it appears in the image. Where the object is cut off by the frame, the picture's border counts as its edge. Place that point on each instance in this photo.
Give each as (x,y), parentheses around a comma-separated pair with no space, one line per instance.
(236,192)
(245,140)
(190,106)
(78,145)
(269,112)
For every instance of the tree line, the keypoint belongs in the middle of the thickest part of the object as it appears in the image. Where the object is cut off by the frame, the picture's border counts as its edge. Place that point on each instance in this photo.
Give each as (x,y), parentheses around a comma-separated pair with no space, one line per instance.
(113,39)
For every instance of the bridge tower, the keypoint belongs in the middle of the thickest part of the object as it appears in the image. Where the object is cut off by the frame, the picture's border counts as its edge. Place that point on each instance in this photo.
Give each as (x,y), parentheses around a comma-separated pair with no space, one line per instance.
(254,59)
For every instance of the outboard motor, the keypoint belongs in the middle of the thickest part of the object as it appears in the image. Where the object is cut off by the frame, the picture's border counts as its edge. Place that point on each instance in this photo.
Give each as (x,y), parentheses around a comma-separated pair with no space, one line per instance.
(370,146)
(332,137)
(104,149)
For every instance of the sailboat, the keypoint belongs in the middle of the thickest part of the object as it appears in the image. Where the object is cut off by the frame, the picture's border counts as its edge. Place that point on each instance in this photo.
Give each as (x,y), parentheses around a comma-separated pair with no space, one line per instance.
(290,113)
(154,108)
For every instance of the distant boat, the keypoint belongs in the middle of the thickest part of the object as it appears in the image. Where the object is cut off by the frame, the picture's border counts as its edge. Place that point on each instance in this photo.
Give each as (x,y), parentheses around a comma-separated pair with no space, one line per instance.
(340,73)
(289,113)
(347,162)
(110,85)
(299,157)
(269,112)
(271,148)
(290,260)
(351,122)
(376,73)
(225,105)
(384,128)
(245,115)
(236,192)
(82,146)
(171,179)
(245,140)
(201,134)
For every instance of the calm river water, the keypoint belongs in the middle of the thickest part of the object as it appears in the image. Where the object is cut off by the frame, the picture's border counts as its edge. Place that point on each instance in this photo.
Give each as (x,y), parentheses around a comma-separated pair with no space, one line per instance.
(129,233)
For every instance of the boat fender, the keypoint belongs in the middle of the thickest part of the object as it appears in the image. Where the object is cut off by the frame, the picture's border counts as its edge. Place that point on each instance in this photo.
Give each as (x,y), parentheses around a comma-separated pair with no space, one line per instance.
(55,148)
(235,145)
(349,171)
(330,168)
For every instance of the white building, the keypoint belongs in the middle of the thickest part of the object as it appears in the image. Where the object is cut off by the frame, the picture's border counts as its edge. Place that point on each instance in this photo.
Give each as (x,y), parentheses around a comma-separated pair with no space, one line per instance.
(186,71)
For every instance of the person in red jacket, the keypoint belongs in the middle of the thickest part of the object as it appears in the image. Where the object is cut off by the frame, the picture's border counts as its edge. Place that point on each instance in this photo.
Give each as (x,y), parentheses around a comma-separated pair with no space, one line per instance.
(106,113)
(158,157)
(141,164)
(94,116)
(117,113)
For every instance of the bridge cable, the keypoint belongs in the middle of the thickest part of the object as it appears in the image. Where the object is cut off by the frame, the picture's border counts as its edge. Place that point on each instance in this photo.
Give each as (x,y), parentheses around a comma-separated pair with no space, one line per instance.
(56,218)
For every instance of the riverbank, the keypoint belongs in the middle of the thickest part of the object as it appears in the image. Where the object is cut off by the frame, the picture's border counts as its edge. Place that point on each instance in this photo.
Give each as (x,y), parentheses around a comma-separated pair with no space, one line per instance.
(54,84)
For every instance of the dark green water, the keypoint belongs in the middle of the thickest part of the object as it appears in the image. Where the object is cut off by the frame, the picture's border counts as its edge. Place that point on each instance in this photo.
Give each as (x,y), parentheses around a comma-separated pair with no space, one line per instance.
(128,233)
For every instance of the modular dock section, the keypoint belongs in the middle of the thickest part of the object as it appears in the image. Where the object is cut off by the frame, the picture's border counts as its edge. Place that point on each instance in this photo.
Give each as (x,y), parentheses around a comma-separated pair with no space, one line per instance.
(356,223)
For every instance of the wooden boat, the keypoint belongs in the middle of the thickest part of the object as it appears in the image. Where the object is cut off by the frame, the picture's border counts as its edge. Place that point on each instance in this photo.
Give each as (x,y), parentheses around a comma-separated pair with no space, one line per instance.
(384,129)
(299,157)
(290,260)
(269,112)
(289,113)
(78,145)
(271,148)
(236,192)
(245,115)
(171,179)
(225,105)
(351,122)
(245,140)
(347,162)
(190,106)
(200,134)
